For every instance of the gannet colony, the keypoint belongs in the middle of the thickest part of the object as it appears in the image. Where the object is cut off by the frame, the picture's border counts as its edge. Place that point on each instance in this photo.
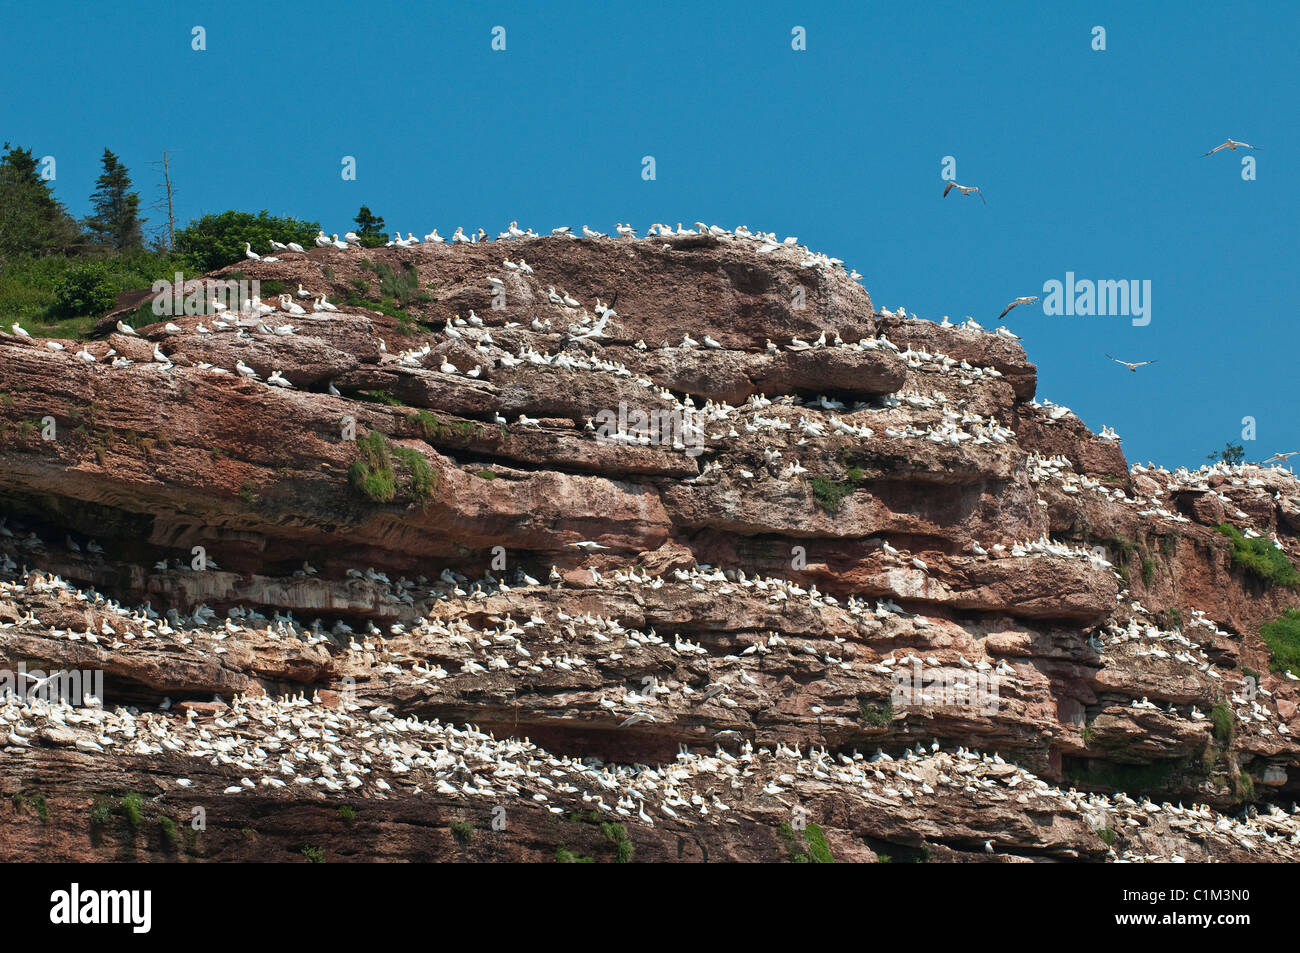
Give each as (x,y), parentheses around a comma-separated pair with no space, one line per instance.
(572,545)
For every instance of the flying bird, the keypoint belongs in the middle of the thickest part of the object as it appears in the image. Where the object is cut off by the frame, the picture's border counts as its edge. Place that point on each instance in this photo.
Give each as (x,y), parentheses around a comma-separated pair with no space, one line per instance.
(1230,144)
(964,189)
(1131,367)
(1029,300)
(1281,457)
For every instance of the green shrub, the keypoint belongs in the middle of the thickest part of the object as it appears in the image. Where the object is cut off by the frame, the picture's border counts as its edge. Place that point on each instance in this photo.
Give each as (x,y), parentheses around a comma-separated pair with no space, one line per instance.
(464,833)
(168,828)
(1148,570)
(314,854)
(1244,786)
(1223,720)
(563,856)
(348,814)
(813,850)
(215,241)
(1261,558)
(132,805)
(37,802)
(84,290)
(429,426)
(830,493)
(403,287)
(1282,636)
(819,852)
(617,835)
(786,834)
(1231,453)
(101,814)
(423,479)
(372,472)
(1107,836)
(876,716)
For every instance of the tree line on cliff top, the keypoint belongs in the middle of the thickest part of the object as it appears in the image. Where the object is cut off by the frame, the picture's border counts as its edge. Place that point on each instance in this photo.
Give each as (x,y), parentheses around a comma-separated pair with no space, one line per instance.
(57,272)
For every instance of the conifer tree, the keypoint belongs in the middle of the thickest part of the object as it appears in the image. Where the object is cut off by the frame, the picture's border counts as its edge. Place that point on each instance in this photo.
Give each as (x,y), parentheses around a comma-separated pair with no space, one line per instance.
(370,228)
(116,220)
(32,220)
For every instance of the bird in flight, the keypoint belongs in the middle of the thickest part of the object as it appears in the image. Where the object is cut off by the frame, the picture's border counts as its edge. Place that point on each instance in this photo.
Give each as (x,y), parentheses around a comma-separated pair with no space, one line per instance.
(964,189)
(1029,300)
(1132,367)
(1230,144)
(1281,457)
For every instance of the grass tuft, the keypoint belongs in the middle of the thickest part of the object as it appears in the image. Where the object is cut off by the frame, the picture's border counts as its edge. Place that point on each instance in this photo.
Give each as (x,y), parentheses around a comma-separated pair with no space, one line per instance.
(1282,636)
(1261,559)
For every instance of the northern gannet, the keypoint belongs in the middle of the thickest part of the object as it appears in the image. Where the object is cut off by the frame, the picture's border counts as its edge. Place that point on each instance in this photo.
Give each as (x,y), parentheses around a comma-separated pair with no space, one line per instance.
(1132,367)
(1231,145)
(1026,300)
(964,189)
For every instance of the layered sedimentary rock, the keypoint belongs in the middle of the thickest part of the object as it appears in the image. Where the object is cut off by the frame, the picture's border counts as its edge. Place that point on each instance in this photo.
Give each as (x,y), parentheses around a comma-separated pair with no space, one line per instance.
(435,593)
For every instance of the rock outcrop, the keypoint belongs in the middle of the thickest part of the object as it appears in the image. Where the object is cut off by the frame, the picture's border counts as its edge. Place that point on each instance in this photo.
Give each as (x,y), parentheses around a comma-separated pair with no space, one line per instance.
(435,592)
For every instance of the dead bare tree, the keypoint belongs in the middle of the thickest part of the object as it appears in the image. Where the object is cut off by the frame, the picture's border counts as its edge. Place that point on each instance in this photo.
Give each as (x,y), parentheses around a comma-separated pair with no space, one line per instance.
(167,202)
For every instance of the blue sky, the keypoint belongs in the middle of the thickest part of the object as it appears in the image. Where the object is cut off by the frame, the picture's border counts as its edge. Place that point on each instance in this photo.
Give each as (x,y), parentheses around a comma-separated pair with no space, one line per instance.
(1091,161)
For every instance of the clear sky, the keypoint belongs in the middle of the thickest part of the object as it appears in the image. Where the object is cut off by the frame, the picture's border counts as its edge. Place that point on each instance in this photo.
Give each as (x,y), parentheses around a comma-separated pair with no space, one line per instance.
(1090,161)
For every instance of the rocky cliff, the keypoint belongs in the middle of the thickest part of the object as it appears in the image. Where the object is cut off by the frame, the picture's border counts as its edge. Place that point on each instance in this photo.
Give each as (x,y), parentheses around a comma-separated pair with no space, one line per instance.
(411,580)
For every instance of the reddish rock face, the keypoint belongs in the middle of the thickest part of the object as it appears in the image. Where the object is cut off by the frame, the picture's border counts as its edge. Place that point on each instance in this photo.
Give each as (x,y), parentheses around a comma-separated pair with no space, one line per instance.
(742,528)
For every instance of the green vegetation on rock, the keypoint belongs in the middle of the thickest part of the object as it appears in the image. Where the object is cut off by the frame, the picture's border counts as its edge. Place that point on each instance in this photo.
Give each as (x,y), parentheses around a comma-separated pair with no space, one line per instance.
(1261,559)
